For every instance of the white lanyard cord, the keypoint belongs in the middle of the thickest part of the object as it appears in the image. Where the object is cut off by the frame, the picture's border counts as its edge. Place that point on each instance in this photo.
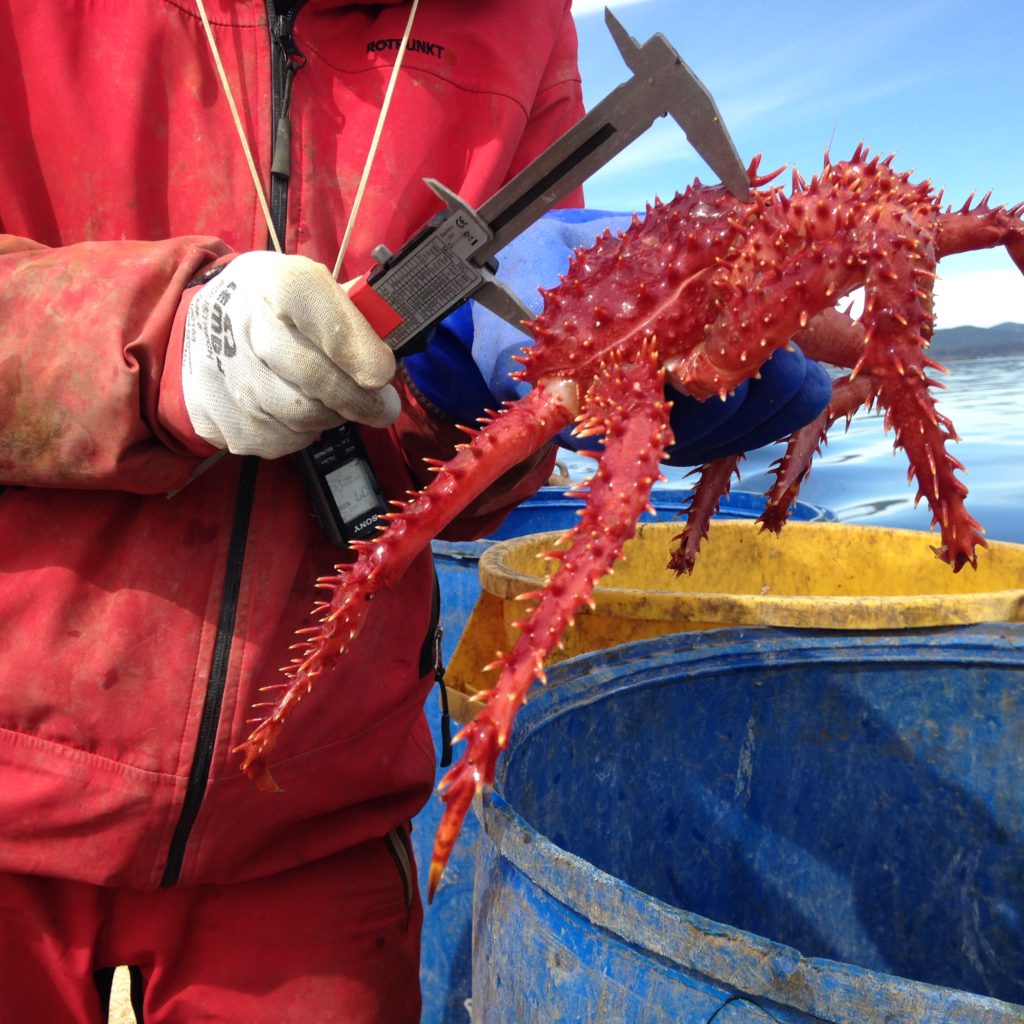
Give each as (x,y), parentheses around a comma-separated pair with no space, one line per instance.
(357,201)
(258,185)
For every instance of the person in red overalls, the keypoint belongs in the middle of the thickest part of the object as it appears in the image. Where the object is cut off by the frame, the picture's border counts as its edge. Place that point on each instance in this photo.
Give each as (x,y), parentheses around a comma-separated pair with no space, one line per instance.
(145,326)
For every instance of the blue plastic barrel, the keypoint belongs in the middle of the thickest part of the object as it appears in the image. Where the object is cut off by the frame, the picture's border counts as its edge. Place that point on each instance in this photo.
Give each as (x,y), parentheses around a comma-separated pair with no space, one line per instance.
(445,971)
(758,825)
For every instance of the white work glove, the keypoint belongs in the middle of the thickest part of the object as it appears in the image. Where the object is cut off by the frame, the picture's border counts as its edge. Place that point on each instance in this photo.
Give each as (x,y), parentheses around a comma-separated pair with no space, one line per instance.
(275,353)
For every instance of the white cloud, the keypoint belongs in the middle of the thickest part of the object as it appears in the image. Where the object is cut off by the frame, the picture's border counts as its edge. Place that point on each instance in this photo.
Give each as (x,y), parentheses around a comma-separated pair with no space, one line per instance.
(981,298)
(969,298)
(583,7)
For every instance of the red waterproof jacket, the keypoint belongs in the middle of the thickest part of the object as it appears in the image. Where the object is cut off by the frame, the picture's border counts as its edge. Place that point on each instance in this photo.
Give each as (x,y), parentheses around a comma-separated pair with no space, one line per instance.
(137,628)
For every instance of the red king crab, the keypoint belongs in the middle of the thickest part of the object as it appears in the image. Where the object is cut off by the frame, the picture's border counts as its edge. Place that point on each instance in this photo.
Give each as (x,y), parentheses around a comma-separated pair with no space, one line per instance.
(705,287)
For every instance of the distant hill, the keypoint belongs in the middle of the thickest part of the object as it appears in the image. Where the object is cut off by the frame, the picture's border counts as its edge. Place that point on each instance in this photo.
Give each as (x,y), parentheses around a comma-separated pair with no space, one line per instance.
(978,342)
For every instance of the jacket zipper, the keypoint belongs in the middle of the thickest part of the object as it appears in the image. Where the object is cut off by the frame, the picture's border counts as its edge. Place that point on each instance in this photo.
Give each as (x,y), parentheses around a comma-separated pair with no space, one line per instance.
(206,739)
(286,60)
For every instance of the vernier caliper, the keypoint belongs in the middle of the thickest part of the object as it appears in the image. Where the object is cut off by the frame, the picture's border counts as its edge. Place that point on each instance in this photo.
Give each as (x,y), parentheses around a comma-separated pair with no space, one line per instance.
(451,259)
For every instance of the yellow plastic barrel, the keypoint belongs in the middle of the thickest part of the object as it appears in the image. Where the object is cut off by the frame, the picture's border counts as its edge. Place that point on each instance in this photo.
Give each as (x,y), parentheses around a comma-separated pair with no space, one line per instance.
(812,575)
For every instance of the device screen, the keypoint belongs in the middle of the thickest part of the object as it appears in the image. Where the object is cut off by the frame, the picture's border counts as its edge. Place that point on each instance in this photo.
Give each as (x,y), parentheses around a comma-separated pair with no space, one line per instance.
(352,488)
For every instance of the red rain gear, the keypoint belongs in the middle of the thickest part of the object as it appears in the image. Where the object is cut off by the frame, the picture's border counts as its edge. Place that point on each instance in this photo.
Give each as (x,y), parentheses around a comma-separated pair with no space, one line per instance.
(137,628)
(332,942)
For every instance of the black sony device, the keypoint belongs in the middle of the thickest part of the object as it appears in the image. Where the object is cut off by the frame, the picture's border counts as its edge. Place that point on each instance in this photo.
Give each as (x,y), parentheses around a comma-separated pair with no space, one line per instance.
(346,498)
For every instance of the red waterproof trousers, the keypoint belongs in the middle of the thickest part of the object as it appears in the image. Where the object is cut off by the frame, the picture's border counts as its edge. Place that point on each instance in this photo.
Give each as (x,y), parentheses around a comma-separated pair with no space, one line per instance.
(332,941)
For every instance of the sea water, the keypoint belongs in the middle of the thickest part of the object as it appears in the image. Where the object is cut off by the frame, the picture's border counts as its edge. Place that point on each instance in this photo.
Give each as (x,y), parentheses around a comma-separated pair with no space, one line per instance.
(861,480)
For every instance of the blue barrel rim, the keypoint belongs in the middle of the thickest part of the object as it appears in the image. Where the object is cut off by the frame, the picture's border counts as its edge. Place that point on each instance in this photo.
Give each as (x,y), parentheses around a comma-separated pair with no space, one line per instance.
(735,505)
(569,683)
(735,500)
(748,962)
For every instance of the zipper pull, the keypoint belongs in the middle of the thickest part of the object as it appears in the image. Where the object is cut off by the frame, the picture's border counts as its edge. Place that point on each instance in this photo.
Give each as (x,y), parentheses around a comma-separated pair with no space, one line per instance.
(294,59)
(281,164)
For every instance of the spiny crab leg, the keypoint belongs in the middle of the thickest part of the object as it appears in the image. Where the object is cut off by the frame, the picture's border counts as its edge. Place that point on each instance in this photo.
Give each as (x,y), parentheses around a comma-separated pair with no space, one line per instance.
(887,351)
(713,483)
(506,439)
(830,337)
(625,405)
(795,464)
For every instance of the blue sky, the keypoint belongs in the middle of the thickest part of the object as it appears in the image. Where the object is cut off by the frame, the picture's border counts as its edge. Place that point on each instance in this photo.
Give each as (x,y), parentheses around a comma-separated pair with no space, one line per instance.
(939,83)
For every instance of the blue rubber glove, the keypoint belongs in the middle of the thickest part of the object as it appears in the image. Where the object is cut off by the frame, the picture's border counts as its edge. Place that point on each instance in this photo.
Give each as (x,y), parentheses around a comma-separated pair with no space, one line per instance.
(465,368)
